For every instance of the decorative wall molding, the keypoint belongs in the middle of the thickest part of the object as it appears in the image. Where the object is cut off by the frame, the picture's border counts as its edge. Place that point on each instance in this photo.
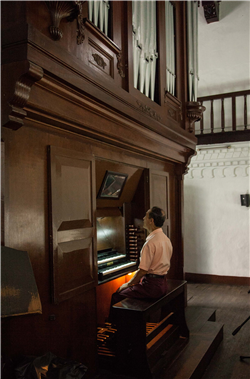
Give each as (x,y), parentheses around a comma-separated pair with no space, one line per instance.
(220,162)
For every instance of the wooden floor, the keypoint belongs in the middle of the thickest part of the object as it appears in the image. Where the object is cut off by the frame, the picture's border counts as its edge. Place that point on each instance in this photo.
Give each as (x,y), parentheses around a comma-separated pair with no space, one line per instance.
(232,306)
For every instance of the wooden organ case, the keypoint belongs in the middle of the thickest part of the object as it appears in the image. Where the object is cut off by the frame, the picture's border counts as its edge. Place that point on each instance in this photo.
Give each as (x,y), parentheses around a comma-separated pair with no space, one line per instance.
(71,112)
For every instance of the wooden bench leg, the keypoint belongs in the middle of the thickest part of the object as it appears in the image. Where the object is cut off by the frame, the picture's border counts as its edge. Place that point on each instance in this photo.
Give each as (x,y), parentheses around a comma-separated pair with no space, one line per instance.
(131,349)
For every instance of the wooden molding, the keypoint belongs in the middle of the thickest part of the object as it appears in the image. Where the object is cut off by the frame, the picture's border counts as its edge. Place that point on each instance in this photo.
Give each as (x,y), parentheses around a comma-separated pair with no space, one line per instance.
(188,162)
(90,26)
(174,106)
(217,279)
(148,110)
(16,92)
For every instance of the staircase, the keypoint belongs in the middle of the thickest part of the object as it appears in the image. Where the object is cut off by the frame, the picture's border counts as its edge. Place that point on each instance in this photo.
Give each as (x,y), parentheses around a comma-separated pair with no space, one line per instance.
(205,336)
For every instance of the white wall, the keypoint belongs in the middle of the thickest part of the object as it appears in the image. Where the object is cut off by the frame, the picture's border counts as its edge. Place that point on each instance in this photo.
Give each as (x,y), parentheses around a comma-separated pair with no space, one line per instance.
(224,49)
(217,227)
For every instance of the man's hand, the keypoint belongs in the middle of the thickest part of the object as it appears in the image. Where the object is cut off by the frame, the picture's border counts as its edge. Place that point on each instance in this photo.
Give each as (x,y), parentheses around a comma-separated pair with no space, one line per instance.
(136,279)
(123,287)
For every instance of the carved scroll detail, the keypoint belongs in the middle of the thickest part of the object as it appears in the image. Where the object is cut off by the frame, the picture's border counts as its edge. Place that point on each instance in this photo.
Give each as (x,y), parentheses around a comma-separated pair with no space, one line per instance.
(120,65)
(21,95)
(148,110)
(80,25)
(63,9)
(194,113)
(99,60)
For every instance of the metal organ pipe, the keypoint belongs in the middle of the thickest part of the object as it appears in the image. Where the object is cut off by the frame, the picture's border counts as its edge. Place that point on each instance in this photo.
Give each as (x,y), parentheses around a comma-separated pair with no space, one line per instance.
(192,37)
(170,48)
(144,46)
(98,14)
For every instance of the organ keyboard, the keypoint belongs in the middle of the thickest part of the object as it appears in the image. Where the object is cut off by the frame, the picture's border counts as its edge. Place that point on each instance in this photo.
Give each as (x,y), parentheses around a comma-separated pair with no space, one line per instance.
(110,262)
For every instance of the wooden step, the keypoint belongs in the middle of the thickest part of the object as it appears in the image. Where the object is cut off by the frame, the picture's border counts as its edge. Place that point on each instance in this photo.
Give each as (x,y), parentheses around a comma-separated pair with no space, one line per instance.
(168,356)
(205,337)
(196,317)
(166,348)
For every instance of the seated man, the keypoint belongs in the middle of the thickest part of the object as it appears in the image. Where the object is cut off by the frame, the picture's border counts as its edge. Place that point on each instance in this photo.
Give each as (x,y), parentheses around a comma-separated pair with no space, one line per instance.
(149,280)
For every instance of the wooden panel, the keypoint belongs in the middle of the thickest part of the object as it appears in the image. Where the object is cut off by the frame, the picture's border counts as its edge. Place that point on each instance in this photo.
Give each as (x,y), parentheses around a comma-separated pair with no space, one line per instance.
(100,59)
(71,220)
(159,195)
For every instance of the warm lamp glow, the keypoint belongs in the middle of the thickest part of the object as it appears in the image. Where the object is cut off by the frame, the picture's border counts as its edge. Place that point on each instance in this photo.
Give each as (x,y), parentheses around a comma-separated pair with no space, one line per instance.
(131,273)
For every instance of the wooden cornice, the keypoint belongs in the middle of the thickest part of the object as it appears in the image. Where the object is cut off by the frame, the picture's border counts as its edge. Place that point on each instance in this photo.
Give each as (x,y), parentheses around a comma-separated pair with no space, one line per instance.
(89,118)
(16,91)
(52,104)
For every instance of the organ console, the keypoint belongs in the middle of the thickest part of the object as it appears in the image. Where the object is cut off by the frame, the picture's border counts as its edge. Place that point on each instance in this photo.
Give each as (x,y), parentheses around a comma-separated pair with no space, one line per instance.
(111,263)
(118,246)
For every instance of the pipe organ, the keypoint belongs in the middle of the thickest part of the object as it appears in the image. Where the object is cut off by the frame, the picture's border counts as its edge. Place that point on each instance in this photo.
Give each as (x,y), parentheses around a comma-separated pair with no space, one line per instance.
(98,92)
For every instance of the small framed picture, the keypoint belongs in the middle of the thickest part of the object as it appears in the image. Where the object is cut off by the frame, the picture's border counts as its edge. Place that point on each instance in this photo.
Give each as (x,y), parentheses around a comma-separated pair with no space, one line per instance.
(112,185)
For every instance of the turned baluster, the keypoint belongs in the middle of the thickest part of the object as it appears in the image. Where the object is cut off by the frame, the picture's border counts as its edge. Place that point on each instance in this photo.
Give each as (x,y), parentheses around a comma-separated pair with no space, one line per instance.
(222,116)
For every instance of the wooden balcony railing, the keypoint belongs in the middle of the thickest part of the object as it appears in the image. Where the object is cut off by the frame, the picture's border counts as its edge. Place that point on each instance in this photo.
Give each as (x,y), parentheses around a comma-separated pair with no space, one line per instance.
(226,119)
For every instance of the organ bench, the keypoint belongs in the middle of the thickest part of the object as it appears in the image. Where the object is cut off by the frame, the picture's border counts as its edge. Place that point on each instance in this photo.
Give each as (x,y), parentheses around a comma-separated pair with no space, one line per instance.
(151,333)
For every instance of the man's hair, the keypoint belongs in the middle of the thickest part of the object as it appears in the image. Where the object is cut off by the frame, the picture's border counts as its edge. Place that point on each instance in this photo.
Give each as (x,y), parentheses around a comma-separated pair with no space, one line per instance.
(158,215)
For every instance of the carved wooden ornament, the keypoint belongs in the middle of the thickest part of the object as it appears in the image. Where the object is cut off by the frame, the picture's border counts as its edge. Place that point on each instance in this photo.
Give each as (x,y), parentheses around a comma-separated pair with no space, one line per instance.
(65,9)
(194,113)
